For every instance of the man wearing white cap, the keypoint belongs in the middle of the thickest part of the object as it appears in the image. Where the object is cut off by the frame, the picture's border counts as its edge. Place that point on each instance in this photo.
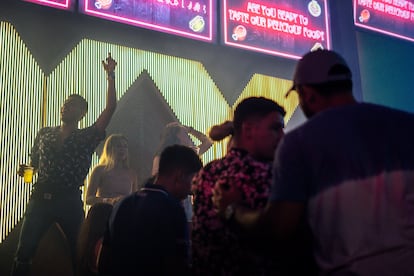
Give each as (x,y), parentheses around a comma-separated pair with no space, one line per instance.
(349,171)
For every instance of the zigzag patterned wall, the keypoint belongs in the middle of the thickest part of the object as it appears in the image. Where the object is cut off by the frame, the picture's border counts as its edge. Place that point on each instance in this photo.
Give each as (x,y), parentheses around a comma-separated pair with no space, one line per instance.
(30,100)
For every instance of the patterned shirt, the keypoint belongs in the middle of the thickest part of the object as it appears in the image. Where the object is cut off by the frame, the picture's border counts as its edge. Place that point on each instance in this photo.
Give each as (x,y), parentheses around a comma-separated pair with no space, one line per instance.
(217,248)
(62,167)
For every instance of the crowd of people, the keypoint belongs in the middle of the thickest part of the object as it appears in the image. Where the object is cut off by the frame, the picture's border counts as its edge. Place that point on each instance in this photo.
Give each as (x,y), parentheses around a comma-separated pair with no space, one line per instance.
(335,196)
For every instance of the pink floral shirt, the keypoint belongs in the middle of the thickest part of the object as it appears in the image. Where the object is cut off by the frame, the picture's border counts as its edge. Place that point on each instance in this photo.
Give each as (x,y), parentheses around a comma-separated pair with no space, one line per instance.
(218,247)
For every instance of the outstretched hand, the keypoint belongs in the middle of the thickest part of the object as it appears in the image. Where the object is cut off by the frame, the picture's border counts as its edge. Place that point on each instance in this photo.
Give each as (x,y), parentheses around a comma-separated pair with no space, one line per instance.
(110,64)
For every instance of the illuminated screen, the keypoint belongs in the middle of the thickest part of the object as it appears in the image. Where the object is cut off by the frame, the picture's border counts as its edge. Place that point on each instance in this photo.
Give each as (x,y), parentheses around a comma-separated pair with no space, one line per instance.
(187,18)
(60,4)
(391,17)
(287,28)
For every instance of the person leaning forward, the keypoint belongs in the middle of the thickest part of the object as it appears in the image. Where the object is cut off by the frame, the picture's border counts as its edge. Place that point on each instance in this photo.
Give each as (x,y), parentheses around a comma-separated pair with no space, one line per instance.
(348,170)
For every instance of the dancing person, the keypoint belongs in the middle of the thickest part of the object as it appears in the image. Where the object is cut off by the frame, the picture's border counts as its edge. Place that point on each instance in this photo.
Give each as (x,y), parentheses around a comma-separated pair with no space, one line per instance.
(148,232)
(112,178)
(177,134)
(348,170)
(218,249)
(62,156)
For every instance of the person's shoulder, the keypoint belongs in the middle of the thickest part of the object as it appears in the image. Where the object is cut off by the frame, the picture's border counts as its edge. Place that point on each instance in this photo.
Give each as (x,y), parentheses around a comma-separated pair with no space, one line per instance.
(211,166)
(98,169)
(88,128)
(48,129)
(388,116)
(92,129)
(173,206)
(91,133)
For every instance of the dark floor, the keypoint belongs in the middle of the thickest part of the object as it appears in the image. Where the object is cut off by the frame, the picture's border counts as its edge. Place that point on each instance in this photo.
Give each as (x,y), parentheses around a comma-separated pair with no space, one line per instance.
(51,259)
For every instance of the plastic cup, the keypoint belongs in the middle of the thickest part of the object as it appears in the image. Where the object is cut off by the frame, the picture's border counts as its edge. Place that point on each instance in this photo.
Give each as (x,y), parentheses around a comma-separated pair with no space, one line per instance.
(28,174)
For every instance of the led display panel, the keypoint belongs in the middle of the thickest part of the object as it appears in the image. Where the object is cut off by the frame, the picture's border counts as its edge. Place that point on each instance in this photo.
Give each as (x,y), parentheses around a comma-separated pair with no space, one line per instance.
(287,28)
(194,19)
(60,4)
(390,17)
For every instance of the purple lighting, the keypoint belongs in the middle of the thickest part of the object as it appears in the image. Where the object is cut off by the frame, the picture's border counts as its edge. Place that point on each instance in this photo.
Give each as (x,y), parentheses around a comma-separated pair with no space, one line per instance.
(284,27)
(60,4)
(393,18)
(187,18)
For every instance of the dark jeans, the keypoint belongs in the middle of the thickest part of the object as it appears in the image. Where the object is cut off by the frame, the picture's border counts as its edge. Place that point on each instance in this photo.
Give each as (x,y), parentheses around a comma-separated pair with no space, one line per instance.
(42,211)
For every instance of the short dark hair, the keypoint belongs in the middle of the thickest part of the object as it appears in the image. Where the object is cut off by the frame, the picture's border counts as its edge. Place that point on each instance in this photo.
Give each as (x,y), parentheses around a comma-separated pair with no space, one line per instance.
(82,102)
(254,107)
(179,157)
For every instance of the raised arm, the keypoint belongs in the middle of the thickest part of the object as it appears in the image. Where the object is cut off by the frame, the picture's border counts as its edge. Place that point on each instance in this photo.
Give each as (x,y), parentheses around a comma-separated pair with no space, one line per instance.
(103,120)
(221,131)
(205,141)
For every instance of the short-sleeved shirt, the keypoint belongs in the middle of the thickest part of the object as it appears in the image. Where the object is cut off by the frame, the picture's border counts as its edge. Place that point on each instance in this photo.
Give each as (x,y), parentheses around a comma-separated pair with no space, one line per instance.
(353,167)
(146,229)
(217,248)
(63,167)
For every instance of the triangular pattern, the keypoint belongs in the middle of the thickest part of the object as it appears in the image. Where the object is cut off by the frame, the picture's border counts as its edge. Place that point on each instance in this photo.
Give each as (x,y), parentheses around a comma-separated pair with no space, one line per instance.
(33,100)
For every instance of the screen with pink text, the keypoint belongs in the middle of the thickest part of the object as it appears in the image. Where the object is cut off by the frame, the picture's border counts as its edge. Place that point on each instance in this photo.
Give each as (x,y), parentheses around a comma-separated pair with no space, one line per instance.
(288,28)
(195,19)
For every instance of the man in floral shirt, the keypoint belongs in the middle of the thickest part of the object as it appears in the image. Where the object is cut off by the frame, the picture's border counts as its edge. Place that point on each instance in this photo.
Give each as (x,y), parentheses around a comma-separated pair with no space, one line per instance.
(62,156)
(219,249)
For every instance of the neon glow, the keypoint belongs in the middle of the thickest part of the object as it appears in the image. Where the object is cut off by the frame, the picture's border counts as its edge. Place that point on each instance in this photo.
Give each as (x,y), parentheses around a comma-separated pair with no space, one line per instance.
(390,17)
(60,4)
(34,99)
(194,19)
(277,28)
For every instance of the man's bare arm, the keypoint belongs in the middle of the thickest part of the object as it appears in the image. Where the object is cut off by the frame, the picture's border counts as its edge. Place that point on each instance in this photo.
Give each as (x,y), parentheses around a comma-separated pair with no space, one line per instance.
(105,117)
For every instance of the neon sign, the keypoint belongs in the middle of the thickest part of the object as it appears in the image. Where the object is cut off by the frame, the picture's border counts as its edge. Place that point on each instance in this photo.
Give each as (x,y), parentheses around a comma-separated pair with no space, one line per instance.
(60,4)
(188,18)
(284,28)
(390,17)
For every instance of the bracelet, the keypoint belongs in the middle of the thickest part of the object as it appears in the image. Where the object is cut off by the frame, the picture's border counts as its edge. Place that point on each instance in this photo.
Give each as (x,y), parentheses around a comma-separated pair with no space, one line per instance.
(110,75)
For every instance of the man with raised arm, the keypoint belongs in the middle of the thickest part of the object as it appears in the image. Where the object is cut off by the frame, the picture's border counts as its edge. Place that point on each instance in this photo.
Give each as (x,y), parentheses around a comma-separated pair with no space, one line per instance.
(61,156)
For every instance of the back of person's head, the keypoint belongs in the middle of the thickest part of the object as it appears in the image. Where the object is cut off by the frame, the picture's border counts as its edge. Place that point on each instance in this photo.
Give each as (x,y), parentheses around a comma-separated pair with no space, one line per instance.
(112,143)
(178,157)
(324,70)
(80,101)
(254,108)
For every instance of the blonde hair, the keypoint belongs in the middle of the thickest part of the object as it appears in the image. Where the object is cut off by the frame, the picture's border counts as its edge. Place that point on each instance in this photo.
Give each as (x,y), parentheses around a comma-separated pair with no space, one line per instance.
(108,153)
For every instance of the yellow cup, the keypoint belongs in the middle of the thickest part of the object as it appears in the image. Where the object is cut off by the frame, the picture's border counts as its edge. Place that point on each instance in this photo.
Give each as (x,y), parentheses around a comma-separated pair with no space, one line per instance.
(28,174)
